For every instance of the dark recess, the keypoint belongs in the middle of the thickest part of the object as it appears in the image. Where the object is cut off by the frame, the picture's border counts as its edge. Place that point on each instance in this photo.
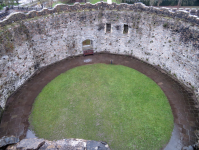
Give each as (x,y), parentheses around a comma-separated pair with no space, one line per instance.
(108,27)
(126,28)
(117,27)
(36,66)
(100,27)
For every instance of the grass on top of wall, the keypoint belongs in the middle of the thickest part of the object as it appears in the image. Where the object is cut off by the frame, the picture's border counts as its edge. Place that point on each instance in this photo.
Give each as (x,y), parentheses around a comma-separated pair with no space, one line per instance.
(111,103)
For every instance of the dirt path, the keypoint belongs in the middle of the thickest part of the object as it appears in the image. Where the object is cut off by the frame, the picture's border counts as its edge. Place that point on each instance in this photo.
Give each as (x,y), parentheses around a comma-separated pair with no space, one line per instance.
(18,107)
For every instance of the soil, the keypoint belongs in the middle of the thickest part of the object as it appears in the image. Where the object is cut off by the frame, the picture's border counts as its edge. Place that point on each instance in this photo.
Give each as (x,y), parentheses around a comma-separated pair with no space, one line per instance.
(182,100)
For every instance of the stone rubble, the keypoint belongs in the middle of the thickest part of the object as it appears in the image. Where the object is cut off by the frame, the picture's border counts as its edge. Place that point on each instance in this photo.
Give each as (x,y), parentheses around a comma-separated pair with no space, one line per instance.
(64,144)
(8,140)
(30,143)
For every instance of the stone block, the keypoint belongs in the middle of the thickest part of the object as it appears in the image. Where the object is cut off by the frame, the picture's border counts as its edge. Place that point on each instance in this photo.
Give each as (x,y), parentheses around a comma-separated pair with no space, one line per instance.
(30,144)
(94,145)
(8,140)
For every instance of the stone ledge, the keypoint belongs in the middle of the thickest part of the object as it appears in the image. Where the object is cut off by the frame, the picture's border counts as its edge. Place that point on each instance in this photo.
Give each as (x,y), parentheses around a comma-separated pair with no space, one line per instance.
(181,14)
(64,144)
(8,140)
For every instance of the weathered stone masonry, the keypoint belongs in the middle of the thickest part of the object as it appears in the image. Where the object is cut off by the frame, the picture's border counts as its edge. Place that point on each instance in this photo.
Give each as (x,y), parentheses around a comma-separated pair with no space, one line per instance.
(157,36)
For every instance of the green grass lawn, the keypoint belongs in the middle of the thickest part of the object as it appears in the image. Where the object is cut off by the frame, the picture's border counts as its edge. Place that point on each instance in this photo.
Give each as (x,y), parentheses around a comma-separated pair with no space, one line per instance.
(111,103)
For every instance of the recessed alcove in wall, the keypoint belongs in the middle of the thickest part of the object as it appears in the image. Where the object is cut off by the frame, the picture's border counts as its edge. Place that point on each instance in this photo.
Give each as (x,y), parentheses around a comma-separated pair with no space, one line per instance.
(108,28)
(87,44)
(126,28)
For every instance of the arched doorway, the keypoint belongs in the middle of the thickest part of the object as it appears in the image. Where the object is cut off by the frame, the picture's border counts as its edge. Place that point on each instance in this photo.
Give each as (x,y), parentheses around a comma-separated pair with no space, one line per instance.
(87,44)
(87,47)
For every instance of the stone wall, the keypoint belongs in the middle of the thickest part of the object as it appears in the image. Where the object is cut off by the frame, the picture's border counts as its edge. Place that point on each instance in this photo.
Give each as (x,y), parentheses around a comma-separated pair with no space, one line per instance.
(189,16)
(158,36)
(12,143)
(6,10)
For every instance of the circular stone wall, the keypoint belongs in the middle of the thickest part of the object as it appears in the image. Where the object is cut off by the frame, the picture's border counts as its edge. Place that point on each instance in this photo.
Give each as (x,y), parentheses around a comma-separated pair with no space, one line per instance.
(159,37)
(164,40)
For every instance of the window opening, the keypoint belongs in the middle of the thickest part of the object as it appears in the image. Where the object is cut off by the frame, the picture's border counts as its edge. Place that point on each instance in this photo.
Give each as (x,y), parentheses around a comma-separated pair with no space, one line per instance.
(125,28)
(108,27)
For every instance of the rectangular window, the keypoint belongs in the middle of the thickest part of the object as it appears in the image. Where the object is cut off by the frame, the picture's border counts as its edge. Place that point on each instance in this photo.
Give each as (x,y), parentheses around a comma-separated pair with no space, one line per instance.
(126,28)
(108,27)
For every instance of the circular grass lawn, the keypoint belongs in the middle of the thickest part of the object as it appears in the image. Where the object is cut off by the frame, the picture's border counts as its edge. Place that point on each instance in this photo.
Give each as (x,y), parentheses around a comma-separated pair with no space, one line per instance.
(111,103)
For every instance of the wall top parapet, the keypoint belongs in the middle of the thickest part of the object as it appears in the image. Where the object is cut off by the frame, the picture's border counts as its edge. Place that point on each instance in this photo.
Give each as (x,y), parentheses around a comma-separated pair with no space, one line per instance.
(190,15)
